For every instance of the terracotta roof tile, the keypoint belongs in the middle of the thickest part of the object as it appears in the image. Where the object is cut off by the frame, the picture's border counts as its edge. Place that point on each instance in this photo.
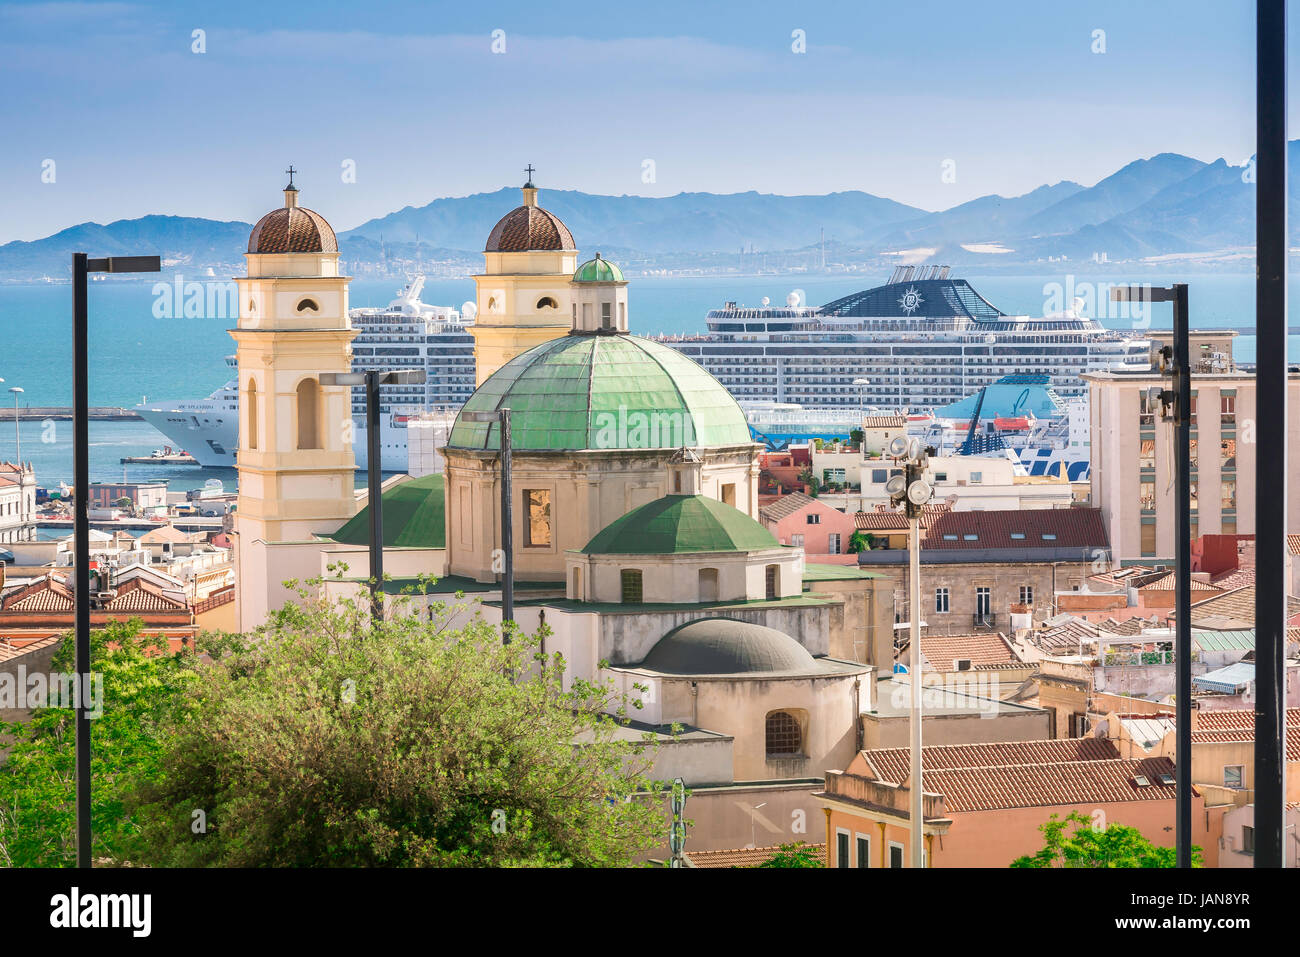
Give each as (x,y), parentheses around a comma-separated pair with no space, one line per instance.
(529,227)
(293,229)
(744,856)
(1051,785)
(1068,528)
(885,422)
(785,506)
(983,650)
(894,764)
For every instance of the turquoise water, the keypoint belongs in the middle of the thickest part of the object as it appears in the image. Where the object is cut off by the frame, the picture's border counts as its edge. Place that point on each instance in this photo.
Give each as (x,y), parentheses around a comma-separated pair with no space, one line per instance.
(133,353)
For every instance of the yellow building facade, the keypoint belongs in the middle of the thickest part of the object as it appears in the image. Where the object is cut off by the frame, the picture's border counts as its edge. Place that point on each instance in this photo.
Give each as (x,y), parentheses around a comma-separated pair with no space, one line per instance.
(295,458)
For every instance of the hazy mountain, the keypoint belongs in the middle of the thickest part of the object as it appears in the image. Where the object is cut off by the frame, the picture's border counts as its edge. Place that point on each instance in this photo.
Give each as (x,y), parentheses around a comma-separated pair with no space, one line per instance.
(986,219)
(1166,204)
(1121,191)
(180,239)
(702,222)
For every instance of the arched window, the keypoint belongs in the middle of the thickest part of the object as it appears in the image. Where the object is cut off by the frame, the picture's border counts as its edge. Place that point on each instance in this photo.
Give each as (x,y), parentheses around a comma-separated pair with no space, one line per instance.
(547,302)
(308,414)
(308,304)
(784,736)
(632,590)
(252,414)
(708,584)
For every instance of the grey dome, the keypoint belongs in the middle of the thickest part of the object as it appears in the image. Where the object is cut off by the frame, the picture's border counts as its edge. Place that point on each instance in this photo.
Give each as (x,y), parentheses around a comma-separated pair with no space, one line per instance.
(725,646)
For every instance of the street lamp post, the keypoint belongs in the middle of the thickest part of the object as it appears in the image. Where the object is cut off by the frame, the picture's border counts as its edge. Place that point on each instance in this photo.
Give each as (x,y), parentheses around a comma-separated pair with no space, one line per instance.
(81,267)
(502,418)
(372,379)
(1176,404)
(1271,470)
(862,399)
(912,491)
(18,440)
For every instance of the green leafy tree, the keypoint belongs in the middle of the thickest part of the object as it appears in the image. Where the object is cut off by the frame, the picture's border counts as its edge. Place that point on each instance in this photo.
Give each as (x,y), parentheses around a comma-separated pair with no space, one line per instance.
(861,541)
(142,698)
(1090,846)
(327,740)
(795,855)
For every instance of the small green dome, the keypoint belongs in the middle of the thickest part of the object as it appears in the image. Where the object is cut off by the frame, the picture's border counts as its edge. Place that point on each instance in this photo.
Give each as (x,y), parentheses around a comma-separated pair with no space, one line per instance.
(681,523)
(598,270)
(588,392)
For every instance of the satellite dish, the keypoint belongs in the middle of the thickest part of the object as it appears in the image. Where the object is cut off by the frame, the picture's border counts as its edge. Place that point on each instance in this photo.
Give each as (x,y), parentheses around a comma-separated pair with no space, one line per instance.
(796,298)
(766,300)
(469,309)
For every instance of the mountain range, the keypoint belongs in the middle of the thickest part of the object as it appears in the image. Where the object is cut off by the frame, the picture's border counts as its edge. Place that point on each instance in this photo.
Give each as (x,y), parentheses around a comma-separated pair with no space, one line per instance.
(1166,205)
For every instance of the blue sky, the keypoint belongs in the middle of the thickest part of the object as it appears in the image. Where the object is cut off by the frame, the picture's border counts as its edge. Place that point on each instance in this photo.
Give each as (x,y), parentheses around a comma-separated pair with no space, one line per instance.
(713,93)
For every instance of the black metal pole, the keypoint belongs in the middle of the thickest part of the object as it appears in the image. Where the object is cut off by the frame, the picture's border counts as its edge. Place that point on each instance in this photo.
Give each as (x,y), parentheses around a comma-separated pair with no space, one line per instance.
(1183,581)
(507,532)
(374,485)
(81,536)
(1271,427)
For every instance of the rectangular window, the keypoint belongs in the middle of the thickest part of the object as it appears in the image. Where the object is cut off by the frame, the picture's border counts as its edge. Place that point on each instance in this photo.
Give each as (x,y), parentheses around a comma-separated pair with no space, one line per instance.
(879,476)
(796,540)
(842,849)
(1026,594)
(631,586)
(1147,496)
(814,518)
(606,319)
(1147,454)
(833,543)
(537,504)
(983,601)
(976,478)
(895,854)
(1228,454)
(1233,776)
(941,601)
(1228,409)
(1247,839)
(1229,493)
(864,851)
(729,494)
(1149,540)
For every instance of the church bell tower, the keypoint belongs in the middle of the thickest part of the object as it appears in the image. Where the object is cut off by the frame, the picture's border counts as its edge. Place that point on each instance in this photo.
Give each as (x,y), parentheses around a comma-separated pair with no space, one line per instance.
(523,293)
(295,457)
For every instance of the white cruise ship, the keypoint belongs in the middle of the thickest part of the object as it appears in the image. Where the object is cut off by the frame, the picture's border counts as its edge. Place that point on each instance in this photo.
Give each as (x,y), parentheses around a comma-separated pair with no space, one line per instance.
(920,341)
(405,334)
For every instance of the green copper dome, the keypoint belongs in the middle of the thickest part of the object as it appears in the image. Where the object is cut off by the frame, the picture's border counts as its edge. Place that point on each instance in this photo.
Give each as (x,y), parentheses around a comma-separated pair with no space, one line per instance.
(681,523)
(602,392)
(598,270)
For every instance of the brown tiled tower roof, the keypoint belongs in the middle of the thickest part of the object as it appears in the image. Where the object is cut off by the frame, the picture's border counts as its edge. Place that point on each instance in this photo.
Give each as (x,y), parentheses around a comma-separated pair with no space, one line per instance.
(526,228)
(292,229)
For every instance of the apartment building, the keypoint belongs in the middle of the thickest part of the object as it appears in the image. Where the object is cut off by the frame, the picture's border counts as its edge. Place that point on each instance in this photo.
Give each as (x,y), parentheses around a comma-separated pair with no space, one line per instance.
(1133,457)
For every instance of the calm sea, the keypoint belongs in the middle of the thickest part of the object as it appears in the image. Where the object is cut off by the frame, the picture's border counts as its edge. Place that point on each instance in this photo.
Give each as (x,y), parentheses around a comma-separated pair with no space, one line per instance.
(135,353)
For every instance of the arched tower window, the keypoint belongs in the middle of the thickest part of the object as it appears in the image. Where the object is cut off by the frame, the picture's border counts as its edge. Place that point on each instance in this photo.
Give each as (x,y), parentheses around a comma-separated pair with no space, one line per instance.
(708,584)
(308,305)
(308,414)
(252,414)
(547,302)
(784,735)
